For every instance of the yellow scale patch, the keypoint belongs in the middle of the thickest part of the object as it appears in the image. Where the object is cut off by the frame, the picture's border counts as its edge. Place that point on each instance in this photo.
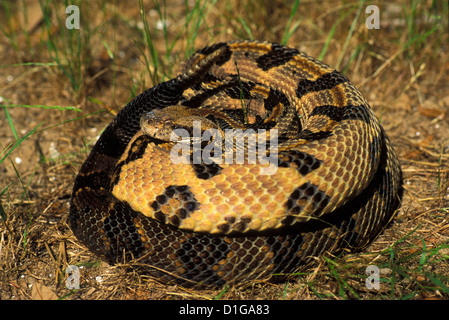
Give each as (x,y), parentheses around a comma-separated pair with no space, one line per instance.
(239,191)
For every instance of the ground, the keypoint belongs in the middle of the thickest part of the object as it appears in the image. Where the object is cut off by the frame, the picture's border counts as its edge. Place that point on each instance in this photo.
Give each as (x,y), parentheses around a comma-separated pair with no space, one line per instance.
(60,87)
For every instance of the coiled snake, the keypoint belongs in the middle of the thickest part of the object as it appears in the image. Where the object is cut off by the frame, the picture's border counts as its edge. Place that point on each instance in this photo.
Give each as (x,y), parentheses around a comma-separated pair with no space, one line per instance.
(194,218)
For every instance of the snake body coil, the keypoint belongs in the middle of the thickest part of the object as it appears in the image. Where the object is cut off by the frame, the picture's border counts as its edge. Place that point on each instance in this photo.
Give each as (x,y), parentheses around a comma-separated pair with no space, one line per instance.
(337,181)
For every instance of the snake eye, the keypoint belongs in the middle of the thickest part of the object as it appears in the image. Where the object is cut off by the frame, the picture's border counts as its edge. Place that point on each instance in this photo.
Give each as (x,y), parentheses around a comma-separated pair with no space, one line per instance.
(146,118)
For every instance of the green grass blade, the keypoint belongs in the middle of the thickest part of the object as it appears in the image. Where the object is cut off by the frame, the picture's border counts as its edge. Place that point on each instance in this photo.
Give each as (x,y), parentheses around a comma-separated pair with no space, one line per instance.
(221,293)
(423,259)
(331,34)
(246,28)
(289,30)
(68,108)
(151,47)
(349,35)
(26,64)
(441,286)
(10,122)
(18,142)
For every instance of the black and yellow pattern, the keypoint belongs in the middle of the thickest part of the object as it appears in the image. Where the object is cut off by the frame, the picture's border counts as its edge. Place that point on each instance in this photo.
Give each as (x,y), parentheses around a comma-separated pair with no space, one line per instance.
(338,181)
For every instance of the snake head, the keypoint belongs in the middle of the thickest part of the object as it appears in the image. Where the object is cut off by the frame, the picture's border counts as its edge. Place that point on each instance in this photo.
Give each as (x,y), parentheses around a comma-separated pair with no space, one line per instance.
(175,122)
(165,124)
(157,124)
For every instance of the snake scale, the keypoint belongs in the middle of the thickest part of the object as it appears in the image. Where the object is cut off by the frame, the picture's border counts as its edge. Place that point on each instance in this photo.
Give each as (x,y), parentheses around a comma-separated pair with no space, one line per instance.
(336,181)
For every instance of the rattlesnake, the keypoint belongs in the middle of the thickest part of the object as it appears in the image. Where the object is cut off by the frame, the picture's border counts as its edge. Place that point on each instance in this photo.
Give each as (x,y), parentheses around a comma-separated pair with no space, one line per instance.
(337,181)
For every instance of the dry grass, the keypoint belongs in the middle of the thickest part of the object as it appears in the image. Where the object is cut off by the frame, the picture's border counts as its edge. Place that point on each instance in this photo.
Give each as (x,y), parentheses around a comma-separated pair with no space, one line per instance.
(402,68)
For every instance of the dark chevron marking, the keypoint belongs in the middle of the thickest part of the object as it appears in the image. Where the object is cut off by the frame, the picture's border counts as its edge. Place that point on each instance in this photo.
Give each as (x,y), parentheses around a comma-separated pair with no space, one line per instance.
(224,57)
(309,135)
(304,162)
(348,112)
(206,171)
(136,151)
(278,56)
(325,82)
(304,194)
